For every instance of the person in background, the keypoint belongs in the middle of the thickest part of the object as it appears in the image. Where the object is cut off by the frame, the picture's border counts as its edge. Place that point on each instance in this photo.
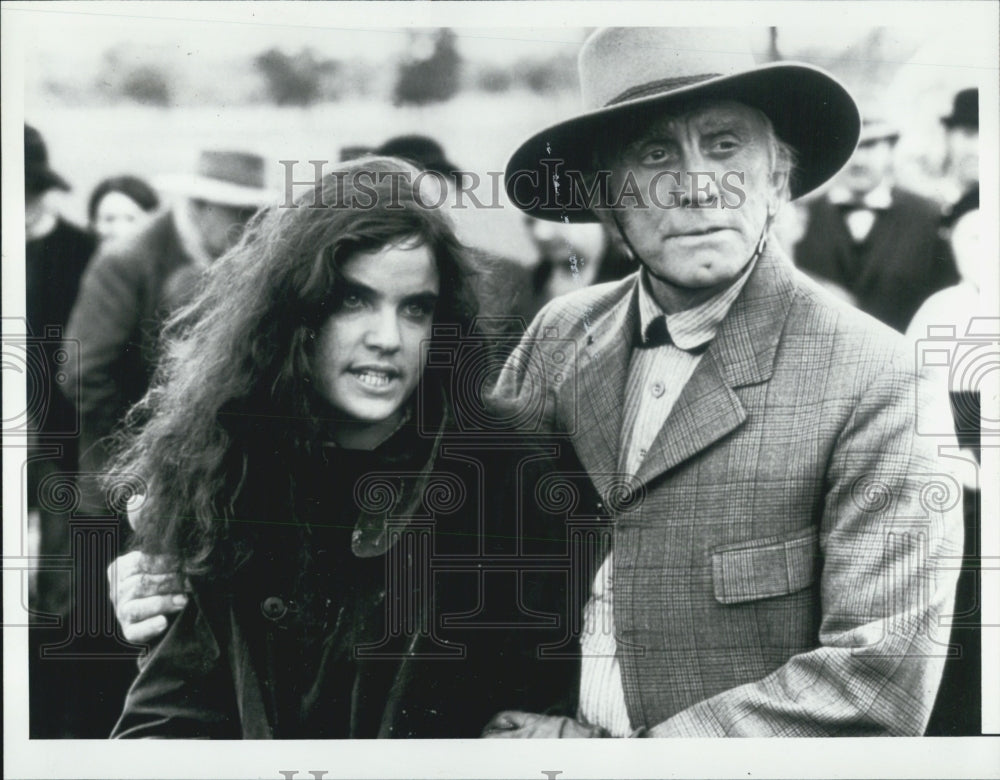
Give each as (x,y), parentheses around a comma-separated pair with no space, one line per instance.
(960,311)
(502,284)
(961,128)
(120,206)
(133,285)
(56,255)
(875,243)
(572,256)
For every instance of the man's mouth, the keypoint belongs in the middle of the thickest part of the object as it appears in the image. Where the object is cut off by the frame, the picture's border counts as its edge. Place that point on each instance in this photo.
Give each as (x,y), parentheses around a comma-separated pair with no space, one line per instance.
(700,232)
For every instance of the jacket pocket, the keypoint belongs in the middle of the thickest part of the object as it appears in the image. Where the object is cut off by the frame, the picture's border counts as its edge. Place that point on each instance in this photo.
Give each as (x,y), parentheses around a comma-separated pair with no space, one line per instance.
(764,568)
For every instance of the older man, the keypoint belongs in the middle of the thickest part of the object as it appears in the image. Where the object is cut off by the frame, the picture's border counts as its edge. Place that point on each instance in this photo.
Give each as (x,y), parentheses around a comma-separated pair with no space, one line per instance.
(784,544)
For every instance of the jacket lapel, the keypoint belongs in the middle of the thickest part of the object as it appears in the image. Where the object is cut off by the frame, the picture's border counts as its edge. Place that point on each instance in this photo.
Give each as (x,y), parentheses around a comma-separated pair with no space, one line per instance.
(741,354)
(602,370)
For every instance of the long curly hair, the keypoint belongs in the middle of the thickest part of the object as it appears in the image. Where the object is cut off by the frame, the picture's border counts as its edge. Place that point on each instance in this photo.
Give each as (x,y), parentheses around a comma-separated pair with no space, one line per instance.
(236,370)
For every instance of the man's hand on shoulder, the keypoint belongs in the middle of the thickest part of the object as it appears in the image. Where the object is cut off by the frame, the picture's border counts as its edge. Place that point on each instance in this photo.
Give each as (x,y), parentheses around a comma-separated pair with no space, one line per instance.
(145,589)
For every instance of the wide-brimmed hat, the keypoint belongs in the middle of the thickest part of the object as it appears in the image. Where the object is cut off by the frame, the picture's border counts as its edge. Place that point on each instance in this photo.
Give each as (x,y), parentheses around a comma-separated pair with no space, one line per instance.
(420,150)
(964,110)
(627,71)
(224,177)
(38,176)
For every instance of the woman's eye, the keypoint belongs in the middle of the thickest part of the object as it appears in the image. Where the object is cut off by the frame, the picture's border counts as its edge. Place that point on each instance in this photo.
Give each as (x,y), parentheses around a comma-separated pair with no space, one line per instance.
(417,310)
(352,302)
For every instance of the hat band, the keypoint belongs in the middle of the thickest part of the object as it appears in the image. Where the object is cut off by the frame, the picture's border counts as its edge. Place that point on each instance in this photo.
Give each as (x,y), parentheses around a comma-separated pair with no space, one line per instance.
(663,85)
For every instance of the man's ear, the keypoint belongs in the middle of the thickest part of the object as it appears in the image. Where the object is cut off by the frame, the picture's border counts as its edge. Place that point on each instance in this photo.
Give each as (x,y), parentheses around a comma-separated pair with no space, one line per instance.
(779,191)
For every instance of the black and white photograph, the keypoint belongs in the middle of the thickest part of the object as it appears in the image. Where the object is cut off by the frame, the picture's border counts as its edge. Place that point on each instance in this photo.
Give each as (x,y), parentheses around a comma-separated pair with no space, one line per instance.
(444,373)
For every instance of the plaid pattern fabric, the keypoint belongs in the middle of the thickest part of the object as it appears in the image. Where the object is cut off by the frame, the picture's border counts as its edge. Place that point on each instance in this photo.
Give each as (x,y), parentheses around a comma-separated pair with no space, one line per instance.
(787,552)
(656,377)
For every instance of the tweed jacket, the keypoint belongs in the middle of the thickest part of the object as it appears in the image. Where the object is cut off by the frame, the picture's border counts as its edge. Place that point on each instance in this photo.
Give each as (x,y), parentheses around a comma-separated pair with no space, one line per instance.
(789,547)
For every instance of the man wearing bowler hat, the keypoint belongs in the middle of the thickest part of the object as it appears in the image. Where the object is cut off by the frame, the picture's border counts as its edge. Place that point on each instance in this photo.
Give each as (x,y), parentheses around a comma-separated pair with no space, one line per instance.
(783,542)
(132,286)
(876,242)
(961,128)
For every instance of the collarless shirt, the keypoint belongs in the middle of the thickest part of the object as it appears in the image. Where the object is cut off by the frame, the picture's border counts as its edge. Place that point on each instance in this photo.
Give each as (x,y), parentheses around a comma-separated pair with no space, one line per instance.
(657,375)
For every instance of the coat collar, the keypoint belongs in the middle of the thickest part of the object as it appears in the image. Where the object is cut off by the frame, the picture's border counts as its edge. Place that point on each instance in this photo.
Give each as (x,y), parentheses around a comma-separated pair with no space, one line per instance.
(741,354)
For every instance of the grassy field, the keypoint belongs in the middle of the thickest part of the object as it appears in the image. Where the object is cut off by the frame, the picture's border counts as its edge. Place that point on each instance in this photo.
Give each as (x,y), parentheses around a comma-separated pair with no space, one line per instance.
(478,133)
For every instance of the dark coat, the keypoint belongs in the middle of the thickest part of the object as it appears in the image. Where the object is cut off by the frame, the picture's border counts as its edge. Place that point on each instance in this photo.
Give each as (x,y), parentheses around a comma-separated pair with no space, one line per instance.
(429,639)
(124,298)
(902,261)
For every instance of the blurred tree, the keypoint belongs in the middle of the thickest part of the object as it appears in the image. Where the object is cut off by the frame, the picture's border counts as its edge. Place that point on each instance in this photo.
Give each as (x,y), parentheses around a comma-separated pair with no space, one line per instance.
(128,71)
(431,70)
(546,77)
(492,78)
(295,80)
(147,84)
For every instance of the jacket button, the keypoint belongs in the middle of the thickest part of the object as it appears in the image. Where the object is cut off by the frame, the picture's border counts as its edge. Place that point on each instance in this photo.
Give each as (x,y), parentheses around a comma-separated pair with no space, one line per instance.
(273,608)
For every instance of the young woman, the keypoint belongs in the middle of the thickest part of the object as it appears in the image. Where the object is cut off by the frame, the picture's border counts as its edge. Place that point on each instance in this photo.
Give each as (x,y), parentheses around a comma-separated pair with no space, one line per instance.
(120,206)
(298,471)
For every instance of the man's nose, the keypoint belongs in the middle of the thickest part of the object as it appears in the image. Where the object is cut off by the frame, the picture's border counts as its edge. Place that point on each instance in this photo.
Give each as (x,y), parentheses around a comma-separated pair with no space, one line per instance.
(383,332)
(699,186)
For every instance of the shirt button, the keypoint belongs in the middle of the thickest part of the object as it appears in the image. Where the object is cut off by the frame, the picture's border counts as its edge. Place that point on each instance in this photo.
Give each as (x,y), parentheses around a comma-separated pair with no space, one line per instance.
(657,389)
(273,608)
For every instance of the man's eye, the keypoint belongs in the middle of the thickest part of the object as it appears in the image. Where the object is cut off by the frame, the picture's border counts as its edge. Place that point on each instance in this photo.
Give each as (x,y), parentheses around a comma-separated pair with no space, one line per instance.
(654,155)
(725,145)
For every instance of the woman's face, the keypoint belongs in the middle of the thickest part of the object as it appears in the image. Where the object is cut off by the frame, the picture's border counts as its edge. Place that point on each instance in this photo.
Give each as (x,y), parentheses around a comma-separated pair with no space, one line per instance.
(369,352)
(118,215)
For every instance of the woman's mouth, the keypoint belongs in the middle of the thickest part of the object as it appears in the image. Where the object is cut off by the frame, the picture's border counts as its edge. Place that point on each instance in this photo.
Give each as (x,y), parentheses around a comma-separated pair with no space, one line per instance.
(375,378)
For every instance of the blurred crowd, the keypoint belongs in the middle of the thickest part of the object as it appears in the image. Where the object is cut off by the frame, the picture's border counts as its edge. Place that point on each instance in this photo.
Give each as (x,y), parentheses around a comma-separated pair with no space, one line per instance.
(107,288)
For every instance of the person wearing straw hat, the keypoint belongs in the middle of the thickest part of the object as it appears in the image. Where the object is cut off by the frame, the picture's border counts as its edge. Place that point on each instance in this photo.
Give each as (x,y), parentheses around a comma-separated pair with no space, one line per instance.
(132,285)
(778,563)
(875,241)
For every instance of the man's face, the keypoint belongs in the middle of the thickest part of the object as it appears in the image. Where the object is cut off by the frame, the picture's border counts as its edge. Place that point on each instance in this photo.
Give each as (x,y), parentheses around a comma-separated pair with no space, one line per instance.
(868,167)
(963,154)
(220,226)
(36,206)
(696,232)
(369,357)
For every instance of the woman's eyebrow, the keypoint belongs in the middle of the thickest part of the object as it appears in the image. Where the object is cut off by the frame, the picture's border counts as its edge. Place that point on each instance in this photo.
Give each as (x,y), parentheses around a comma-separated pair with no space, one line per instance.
(426,297)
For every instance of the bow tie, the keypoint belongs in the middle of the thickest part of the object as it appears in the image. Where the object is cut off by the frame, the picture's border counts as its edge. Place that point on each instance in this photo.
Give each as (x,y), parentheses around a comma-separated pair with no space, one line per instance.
(852,206)
(658,335)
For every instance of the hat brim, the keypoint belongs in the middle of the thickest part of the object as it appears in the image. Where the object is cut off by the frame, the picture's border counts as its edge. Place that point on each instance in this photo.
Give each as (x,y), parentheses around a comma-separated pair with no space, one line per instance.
(809,109)
(44,180)
(950,122)
(214,191)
